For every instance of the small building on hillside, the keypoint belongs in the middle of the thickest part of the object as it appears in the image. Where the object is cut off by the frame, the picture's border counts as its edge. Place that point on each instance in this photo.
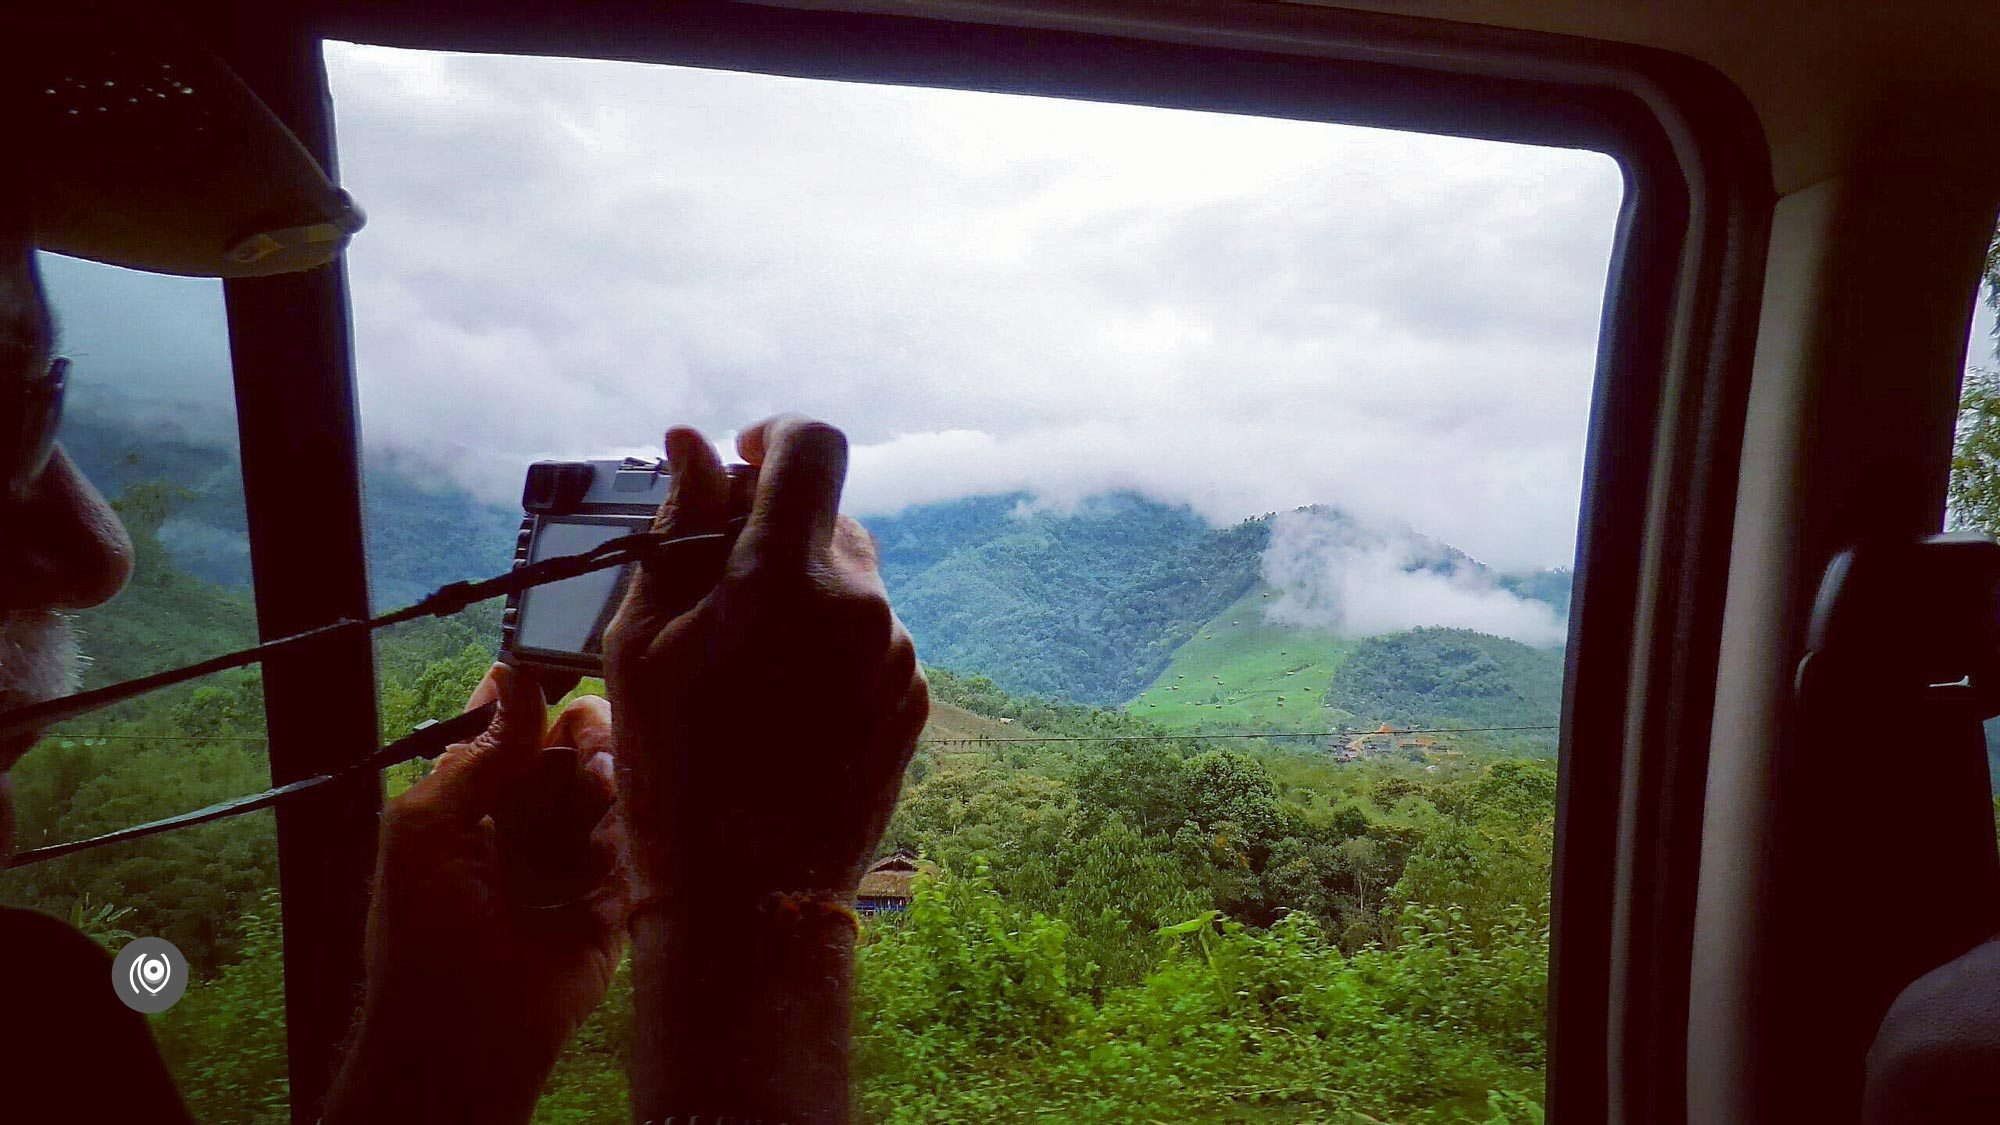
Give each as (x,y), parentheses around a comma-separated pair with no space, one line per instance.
(1381,740)
(885,888)
(1386,739)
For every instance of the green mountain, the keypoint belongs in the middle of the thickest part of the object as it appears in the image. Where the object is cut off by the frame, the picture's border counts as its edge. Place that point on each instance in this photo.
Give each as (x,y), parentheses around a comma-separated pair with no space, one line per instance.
(164,618)
(1121,600)
(1241,672)
(1126,599)
(1101,845)
(420,535)
(1452,677)
(1357,901)
(1087,605)
(206,533)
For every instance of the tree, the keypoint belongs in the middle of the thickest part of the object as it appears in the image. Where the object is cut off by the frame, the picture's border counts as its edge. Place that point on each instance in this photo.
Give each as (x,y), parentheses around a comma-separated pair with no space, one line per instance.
(1144,782)
(1229,787)
(1122,887)
(101,922)
(226,1039)
(1974,495)
(437,692)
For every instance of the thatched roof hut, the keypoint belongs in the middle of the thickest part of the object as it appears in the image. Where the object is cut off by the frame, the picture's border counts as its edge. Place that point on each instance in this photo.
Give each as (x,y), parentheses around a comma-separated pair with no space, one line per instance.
(887,884)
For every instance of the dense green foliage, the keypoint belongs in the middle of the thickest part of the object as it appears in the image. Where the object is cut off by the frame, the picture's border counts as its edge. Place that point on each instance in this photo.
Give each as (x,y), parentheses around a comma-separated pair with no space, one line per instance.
(211,890)
(1124,930)
(1974,492)
(1452,677)
(1117,921)
(163,618)
(225,1040)
(164,754)
(408,558)
(1041,716)
(971,1011)
(1113,601)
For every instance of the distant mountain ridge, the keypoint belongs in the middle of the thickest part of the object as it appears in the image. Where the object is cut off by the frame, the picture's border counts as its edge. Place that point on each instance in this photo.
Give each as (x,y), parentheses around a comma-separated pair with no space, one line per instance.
(419,536)
(1091,603)
(1086,605)
(1095,604)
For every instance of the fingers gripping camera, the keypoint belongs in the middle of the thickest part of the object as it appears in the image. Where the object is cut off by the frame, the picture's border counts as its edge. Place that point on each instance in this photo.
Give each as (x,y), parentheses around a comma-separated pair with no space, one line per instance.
(572,507)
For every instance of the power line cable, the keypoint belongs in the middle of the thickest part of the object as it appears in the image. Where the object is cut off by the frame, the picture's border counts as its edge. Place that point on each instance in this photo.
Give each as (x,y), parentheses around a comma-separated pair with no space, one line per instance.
(1192,736)
(1208,735)
(431,738)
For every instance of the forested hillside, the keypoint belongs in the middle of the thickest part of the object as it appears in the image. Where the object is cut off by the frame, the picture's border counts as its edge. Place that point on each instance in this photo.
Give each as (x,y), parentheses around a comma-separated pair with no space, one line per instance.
(1088,605)
(421,533)
(1115,923)
(1114,602)
(165,617)
(1451,676)
(1122,915)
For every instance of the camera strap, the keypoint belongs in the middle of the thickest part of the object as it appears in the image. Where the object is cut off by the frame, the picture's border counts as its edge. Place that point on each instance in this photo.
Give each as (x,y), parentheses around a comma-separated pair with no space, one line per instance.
(427,740)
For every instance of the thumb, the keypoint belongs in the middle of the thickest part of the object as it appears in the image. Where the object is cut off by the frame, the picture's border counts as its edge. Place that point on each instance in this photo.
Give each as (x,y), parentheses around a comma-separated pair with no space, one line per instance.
(471,778)
(697,503)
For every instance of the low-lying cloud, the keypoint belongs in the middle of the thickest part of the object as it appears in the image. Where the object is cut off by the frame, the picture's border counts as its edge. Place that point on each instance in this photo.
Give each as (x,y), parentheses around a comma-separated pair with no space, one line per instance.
(1363,579)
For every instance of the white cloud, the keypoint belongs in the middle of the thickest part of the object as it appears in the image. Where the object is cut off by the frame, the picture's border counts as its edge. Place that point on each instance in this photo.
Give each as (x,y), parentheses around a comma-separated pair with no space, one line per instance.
(564,257)
(986,291)
(1363,579)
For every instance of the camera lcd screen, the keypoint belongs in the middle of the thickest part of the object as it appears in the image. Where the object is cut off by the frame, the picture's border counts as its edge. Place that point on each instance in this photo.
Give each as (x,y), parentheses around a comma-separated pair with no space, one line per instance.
(570,616)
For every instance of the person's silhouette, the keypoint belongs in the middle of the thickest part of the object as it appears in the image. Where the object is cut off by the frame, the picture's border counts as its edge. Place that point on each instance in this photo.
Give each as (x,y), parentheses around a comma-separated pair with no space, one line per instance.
(742,989)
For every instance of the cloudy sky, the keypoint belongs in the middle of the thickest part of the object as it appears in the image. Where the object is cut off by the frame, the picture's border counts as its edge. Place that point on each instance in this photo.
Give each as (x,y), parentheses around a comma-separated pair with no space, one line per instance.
(988,292)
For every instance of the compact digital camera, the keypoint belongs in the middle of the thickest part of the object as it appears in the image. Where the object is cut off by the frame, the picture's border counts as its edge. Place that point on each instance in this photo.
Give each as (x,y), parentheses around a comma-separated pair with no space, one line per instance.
(571,507)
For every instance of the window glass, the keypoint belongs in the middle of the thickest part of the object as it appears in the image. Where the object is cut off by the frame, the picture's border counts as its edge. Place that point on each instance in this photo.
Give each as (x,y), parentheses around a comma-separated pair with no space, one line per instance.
(1225,470)
(151,420)
(1973,503)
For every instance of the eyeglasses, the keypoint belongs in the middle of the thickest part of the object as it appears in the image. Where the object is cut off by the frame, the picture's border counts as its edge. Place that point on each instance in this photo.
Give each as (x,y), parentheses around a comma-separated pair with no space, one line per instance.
(30,411)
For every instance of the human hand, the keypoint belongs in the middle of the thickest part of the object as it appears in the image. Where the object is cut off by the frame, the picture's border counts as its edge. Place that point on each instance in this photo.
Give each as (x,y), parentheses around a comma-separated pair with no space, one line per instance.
(767,700)
(473,988)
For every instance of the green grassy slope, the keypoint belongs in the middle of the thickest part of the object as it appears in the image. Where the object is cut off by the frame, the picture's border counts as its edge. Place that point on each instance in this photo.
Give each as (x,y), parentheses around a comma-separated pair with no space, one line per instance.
(952,722)
(1239,672)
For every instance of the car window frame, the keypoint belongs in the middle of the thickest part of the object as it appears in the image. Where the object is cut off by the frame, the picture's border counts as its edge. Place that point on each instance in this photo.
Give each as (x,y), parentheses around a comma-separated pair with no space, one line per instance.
(1679,317)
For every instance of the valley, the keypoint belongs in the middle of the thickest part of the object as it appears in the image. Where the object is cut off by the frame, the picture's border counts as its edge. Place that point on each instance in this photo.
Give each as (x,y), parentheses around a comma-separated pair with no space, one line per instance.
(1114,889)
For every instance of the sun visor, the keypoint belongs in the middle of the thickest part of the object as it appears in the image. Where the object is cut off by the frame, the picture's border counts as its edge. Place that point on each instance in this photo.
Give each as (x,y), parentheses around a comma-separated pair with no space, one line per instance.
(157,157)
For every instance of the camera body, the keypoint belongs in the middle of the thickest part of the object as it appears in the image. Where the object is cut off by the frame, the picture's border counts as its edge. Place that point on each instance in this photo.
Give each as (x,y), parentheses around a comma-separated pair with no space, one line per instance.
(571,507)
